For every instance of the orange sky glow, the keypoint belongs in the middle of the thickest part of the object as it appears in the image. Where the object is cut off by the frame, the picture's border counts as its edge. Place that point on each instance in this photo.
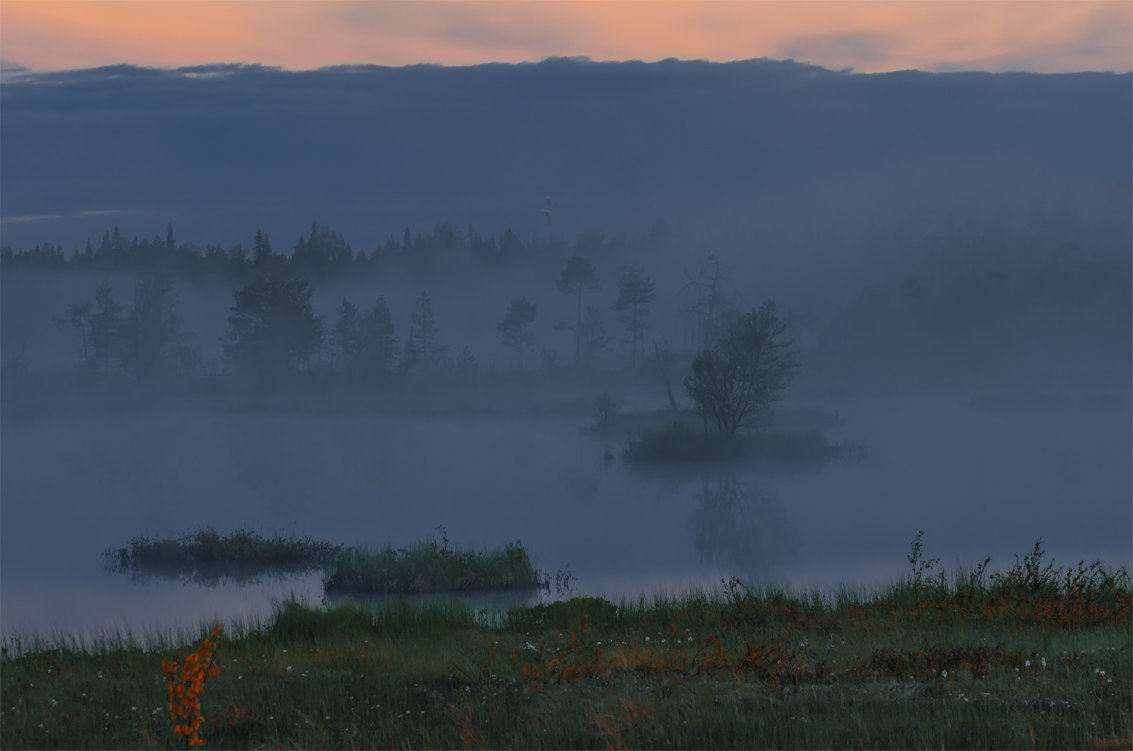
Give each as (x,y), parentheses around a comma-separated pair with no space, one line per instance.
(1046,36)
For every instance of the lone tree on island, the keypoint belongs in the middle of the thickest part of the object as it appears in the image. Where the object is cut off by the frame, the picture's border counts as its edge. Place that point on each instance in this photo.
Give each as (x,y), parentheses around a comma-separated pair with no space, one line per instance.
(735,381)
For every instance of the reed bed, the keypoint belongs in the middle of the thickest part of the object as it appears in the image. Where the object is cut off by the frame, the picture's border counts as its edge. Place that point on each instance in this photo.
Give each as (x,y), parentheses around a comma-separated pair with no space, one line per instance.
(432,567)
(207,557)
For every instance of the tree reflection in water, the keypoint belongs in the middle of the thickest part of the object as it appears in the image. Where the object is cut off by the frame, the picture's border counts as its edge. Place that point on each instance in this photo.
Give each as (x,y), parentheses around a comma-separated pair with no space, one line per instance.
(278,462)
(741,527)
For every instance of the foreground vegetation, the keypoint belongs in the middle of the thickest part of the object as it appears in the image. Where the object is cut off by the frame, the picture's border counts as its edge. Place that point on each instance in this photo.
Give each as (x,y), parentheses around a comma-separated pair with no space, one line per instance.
(1033,657)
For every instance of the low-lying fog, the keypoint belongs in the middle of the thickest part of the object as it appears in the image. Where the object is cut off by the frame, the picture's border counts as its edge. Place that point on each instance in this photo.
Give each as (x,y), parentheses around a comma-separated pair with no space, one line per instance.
(991,400)
(949,253)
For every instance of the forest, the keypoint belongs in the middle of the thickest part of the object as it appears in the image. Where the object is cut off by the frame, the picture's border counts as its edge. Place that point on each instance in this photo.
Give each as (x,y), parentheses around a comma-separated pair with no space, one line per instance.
(984,304)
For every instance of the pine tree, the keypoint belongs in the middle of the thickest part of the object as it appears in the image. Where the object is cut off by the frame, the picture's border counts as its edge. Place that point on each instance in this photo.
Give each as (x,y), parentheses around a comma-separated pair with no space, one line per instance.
(515,328)
(635,292)
(261,250)
(347,338)
(595,341)
(379,342)
(77,319)
(578,274)
(466,365)
(425,335)
(272,329)
(152,330)
(105,324)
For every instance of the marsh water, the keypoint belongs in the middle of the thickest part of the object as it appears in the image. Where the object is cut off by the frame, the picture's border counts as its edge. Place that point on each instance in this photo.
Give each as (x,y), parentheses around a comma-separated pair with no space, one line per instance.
(981,477)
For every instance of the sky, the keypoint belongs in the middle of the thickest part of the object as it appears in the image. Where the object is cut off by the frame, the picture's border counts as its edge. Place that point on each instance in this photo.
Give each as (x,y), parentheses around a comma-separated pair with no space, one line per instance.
(1039,36)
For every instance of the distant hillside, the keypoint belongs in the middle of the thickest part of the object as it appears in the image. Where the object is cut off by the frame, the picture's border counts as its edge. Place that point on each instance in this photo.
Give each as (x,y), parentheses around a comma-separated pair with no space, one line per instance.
(221,150)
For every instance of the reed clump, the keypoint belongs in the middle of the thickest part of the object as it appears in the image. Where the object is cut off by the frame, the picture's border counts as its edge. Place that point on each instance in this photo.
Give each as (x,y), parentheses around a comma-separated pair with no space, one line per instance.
(206,555)
(432,567)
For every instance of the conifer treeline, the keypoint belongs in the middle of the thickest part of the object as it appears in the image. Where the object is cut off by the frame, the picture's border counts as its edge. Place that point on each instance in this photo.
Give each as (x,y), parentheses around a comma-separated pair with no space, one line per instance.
(321,252)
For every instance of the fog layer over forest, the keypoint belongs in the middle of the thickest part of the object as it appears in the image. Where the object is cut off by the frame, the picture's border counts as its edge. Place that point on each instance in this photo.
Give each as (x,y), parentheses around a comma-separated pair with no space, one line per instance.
(358,303)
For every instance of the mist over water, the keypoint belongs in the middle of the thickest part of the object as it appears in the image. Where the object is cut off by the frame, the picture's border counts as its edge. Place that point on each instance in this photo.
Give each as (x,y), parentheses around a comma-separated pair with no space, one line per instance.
(960,301)
(981,481)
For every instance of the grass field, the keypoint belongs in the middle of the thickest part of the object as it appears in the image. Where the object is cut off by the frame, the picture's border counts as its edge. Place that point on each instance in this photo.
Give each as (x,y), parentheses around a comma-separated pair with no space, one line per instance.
(1032,657)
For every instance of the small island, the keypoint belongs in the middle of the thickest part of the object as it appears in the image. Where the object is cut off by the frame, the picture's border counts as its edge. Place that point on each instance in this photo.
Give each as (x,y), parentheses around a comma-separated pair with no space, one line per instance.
(207,557)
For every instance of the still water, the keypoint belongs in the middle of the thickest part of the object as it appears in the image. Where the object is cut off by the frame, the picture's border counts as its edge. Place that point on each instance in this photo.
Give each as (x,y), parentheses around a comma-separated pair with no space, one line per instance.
(979,479)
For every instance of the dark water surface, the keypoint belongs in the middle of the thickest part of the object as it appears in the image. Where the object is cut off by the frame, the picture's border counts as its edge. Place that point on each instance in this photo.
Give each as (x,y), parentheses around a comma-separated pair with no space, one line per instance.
(981,480)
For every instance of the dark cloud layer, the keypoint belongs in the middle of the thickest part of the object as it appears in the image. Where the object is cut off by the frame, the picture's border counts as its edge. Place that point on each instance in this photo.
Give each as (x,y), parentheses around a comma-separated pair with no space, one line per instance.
(369,149)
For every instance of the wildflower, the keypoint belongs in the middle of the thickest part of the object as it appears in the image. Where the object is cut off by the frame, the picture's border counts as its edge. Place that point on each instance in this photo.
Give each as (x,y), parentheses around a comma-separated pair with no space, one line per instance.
(186,684)
(944,673)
